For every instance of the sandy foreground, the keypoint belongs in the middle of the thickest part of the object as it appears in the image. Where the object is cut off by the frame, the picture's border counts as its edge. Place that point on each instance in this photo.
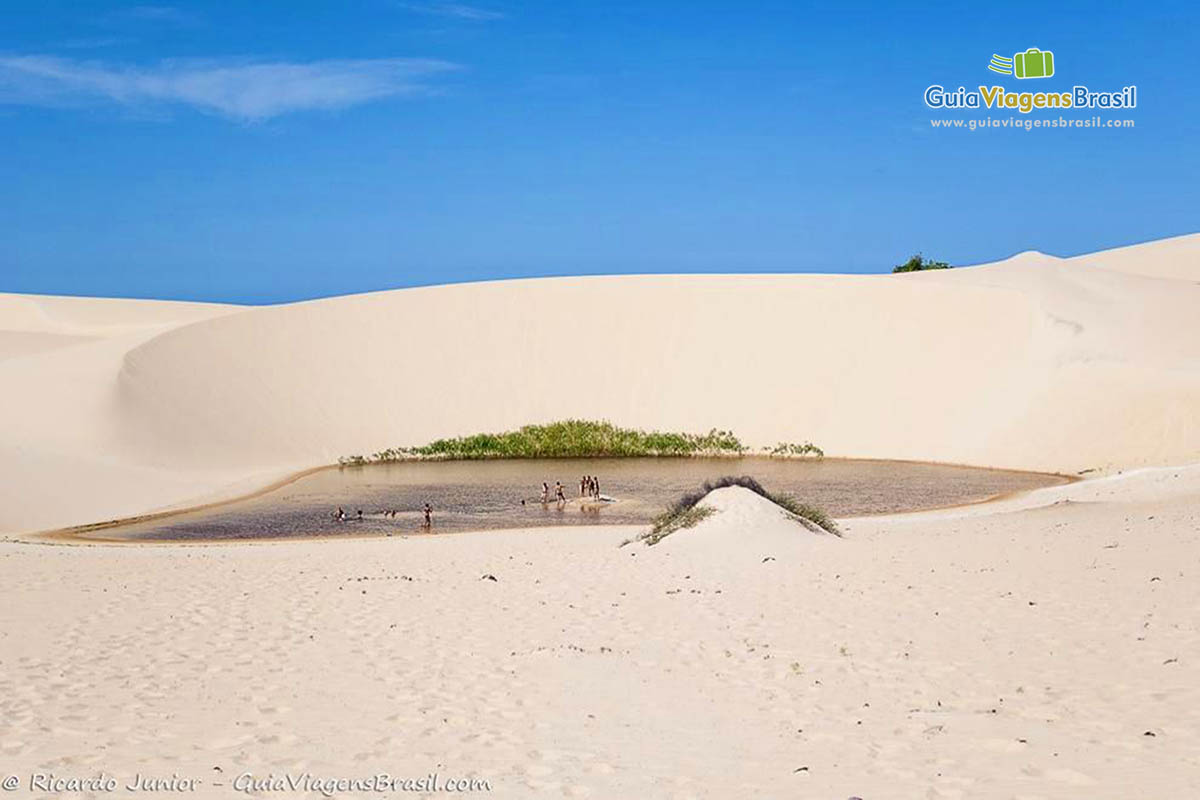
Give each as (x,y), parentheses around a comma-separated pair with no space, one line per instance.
(1043,646)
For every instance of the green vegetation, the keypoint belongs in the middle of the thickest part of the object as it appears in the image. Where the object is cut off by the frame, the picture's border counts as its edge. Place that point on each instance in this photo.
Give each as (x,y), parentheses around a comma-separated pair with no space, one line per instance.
(571,438)
(793,449)
(804,511)
(684,519)
(919,263)
(685,512)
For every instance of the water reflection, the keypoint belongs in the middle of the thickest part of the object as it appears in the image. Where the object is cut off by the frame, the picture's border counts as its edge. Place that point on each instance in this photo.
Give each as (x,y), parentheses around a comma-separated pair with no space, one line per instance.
(475,495)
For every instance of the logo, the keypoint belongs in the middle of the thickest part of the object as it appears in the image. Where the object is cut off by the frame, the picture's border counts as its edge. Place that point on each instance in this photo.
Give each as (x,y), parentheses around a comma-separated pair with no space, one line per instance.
(1033,63)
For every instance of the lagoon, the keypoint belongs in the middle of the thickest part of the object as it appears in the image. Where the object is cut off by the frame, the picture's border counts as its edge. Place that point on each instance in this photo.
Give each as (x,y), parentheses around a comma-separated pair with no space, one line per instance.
(505,493)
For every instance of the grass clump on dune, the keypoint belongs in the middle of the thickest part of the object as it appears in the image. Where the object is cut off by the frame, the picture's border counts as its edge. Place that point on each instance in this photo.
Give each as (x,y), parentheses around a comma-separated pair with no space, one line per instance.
(664,526)
(572,438)
(686,511)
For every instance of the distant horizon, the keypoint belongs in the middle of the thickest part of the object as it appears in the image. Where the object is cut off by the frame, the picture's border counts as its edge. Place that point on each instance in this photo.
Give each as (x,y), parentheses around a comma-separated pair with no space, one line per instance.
(501,279)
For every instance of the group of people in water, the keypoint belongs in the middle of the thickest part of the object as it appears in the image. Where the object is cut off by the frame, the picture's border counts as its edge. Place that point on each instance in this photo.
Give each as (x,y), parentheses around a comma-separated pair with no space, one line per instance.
(341,516)
(589,487)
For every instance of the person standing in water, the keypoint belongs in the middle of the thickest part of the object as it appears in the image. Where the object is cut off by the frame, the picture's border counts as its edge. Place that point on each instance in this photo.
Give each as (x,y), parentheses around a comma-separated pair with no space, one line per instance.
(545,493)
(595,487)
(583,485)
(428,515)
(558,492)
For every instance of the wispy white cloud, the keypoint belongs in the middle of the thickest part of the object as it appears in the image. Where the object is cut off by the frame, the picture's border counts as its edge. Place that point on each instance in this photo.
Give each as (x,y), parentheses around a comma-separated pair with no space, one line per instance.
(243,90)
(455,10)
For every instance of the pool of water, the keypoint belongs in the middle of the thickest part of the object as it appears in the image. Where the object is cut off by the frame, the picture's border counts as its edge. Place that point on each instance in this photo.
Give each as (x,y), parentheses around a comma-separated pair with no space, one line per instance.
(476,495)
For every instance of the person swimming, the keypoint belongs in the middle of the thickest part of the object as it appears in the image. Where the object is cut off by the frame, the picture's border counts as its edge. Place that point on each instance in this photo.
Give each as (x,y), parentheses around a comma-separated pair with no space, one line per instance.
(340,516)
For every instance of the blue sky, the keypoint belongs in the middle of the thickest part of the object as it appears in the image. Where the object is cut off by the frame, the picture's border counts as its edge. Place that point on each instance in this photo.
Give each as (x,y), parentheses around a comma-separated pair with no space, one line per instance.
(272,151)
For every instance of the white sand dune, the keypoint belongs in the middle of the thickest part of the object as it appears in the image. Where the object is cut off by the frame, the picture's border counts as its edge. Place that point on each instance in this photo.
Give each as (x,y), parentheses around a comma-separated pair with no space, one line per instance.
(1177,258)
(1041,646)
(743,526)
(1035,362)
(62,458)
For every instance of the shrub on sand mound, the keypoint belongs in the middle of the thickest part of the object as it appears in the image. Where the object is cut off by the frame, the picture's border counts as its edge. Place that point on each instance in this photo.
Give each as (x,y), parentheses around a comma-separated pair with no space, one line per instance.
(686,511)
(665,525)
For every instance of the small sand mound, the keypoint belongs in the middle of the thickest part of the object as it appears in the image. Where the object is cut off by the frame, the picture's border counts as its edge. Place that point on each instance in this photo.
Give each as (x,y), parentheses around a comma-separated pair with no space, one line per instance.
(743,521)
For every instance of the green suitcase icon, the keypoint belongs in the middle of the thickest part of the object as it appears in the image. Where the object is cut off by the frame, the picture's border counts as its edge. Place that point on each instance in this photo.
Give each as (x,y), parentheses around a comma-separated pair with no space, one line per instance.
(1034,63)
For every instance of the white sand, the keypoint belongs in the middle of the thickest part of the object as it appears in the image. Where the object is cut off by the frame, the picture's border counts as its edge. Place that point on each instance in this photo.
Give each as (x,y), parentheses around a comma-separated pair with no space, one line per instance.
(755,525)
(1000,655)
(1017,649)
(1035,362)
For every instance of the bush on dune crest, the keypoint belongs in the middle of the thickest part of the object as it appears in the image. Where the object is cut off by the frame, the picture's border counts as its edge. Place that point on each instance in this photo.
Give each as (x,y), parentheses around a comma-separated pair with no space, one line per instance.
(919,263)
(685,512)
